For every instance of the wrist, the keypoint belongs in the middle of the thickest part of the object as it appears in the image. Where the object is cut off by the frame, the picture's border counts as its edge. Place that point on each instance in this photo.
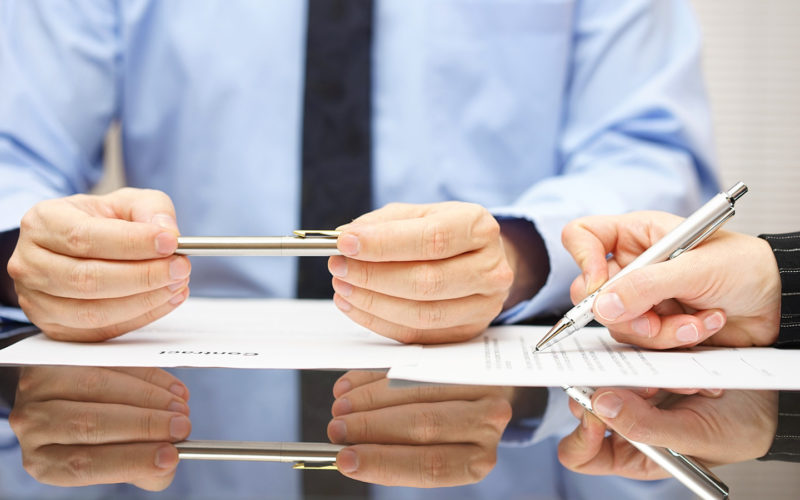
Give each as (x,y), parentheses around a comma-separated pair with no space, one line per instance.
(527,256)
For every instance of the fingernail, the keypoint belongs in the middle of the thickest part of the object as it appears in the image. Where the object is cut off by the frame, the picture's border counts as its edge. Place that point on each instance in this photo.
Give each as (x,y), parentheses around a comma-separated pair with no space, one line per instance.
(178,407)
(343,288)
(178,390)
(342,304)
(608,405)
(165,220)
(174,287)
(641,327)
(348,244)
(166,457)
(179,268)
(337,431)
(714,322)
(347,461)
(166,243)
(338,266)
(715,392)
(342,386)
(341,407)
(179,427)
(609,306)
(687,333)
(178,299)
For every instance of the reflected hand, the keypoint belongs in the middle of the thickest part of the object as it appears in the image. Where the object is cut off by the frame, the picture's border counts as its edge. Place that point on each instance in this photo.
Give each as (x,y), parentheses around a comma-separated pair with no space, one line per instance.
(79,426)
(734,427)
(426,436)
(725,292)
(89,268)
(422,273)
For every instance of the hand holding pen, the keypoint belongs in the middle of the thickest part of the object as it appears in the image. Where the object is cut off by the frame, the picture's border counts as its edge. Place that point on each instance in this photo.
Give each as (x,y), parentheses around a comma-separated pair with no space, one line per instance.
(725,292)
(655,247)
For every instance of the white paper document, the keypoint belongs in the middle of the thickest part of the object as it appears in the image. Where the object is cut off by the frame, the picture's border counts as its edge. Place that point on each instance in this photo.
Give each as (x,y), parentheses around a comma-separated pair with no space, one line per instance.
(232,333)
(505,356)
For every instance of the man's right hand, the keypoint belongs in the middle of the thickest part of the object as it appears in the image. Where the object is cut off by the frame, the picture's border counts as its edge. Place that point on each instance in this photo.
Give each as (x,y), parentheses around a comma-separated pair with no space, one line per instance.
(89,268)
(725,292)
(79,426)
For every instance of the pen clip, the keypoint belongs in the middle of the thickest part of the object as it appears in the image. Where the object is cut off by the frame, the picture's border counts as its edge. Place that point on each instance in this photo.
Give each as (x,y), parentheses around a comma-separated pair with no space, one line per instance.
(708,231)
(315,466)
(316,233)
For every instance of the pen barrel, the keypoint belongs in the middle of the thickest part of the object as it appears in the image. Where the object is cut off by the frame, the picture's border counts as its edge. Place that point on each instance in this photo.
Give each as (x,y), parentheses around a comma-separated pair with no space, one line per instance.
(279,246)
(692,474)
(258,451)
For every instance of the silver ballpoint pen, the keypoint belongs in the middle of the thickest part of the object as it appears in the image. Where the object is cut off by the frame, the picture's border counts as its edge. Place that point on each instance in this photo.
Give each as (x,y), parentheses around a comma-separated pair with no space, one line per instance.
(303,243)
(302,455)
(688,234)
(692,474)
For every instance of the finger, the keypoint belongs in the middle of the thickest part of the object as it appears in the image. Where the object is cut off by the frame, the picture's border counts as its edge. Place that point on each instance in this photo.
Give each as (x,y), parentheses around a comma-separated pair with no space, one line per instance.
(589,240)
(356,378)
(418,466)
(664,332)
(103,385)
(159,377)
(479,421)
(70,422)
(585,445)
(462,276)
(149,464)
(408,335)
(379,394)
(441,232)
(70,227)
(424,315)
(72,277)
(60,332)
(390,212)
(99,313)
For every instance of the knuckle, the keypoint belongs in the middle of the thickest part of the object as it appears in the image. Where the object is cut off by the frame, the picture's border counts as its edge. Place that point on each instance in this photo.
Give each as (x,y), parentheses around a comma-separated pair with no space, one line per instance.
(480,465)
(149,426)
(433,468)
(429,315)
(79,465)
(426,427)
(484,226)
(411,336)
(85,426)
(15,267)
(635,431)
(428,281)
(19,420)
(435,241)
(91,315)
(85,277)
(31,219)
(79,239)
(35,466)
(499,412)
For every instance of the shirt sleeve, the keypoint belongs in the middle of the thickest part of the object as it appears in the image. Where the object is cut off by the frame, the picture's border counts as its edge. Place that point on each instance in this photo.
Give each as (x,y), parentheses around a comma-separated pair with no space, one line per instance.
(54,55)
(636,132)
(786,443)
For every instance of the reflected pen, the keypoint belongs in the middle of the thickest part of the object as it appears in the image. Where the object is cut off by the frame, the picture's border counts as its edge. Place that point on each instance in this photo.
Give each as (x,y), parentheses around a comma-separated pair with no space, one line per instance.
(691,473)
(688,234)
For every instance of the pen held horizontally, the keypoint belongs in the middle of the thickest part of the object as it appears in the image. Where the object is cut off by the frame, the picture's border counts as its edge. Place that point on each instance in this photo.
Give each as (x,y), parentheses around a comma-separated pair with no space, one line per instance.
(688,234)
(304,243)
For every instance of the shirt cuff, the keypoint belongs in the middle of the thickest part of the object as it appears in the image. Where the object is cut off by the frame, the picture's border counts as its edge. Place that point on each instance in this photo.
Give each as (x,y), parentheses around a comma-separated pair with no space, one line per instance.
(786,443)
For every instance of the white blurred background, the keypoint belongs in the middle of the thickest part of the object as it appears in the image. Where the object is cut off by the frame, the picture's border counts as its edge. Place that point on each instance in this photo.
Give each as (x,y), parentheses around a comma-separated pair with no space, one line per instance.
(752,65)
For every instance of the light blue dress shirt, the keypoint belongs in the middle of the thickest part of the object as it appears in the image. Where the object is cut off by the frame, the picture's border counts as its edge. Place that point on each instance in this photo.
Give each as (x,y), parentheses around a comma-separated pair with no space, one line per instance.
(545,110)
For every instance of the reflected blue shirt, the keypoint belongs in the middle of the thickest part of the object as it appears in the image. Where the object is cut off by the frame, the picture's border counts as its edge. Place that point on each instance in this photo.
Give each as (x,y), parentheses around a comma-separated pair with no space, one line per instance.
(545,110)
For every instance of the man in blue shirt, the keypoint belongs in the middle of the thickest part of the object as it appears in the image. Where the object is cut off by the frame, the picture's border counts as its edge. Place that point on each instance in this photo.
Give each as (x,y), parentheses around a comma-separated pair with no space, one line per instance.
(541,111)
